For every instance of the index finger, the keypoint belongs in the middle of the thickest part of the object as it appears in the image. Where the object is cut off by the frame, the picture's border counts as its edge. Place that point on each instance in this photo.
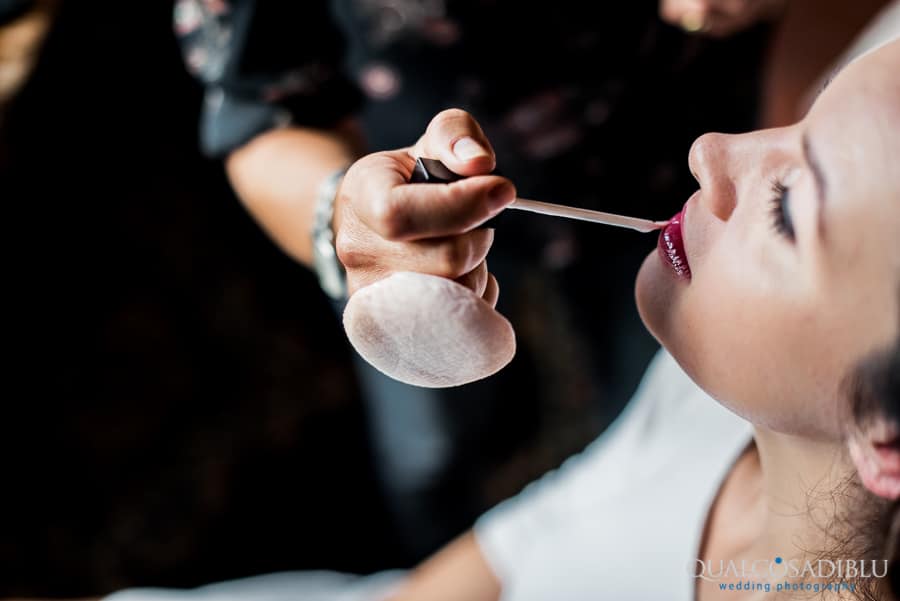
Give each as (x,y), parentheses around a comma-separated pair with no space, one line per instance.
(397,210)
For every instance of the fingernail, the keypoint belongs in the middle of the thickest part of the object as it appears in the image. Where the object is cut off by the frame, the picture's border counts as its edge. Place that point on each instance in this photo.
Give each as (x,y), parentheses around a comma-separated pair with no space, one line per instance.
(467,149)
(501,195)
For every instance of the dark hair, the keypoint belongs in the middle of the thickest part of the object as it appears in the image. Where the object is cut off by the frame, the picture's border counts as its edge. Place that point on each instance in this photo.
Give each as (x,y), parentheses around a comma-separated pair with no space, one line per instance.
(893,550)
(873,388)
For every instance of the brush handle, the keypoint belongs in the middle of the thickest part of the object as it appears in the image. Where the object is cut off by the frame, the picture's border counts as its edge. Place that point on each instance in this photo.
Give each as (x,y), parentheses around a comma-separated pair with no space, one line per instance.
(432,171)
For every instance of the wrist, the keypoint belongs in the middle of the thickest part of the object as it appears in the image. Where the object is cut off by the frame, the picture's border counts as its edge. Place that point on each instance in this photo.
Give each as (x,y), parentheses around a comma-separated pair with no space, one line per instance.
(328,268)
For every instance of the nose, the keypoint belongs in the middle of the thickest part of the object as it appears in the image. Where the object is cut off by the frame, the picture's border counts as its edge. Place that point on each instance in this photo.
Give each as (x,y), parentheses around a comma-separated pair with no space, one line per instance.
(710,163)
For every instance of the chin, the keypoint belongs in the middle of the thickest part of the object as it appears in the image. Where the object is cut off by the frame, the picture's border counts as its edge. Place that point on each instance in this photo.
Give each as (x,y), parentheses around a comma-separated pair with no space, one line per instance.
(658,294)
(653,292)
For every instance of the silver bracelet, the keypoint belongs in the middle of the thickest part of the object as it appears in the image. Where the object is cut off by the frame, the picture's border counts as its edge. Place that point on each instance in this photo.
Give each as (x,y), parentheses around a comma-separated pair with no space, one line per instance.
(332,277)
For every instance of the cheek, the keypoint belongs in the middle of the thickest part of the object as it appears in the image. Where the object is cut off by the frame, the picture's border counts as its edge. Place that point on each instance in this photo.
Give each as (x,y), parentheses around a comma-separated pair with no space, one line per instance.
(751,346)
(758,349)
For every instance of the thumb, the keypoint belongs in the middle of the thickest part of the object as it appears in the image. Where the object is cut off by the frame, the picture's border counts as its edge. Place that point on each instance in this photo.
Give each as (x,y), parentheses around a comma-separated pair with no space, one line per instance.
(455,138)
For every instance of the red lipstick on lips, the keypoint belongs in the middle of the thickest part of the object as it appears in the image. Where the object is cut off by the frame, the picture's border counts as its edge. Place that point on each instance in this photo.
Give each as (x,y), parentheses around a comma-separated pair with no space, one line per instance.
(671,247)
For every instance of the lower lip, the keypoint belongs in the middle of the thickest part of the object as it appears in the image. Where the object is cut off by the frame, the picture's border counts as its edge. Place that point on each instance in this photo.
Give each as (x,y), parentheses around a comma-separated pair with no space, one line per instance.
(671,247)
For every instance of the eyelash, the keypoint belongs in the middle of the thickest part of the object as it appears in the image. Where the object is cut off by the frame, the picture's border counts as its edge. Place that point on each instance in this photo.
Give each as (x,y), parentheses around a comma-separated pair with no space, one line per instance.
(780,211)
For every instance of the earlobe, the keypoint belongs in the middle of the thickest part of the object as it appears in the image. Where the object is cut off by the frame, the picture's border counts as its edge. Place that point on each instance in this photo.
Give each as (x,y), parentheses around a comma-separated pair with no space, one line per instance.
(878,465)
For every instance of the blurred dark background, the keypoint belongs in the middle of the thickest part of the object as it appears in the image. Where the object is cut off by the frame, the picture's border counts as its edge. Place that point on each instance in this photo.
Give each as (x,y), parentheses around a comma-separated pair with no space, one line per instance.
(169,419)
(171,415)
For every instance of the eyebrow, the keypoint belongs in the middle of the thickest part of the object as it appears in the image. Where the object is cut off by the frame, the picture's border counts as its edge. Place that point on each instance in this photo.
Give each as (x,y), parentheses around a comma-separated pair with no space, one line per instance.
(812,159)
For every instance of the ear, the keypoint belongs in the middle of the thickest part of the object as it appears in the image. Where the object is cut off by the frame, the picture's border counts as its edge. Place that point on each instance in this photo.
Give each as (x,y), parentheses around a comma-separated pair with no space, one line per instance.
(876,453)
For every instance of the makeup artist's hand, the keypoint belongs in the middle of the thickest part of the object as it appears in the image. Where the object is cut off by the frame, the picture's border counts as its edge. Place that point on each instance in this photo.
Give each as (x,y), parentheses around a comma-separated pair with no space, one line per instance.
(383,225)
(718,18)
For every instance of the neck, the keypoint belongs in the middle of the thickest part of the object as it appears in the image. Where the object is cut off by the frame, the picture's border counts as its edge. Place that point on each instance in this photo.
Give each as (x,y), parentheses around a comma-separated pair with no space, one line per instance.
(798,480)
(789,498)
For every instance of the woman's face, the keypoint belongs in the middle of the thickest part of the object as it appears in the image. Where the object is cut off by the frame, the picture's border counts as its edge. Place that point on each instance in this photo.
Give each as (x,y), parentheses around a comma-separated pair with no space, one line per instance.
(792,251)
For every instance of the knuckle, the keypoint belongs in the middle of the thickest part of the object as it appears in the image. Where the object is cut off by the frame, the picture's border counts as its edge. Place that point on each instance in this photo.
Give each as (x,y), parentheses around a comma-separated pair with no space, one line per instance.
(453,258)
(390,221)
(452,114)
(454,198)
(668,11)
(450,117)
(477,277)
(357,172)
(485,241)
(348,251)
(355,168)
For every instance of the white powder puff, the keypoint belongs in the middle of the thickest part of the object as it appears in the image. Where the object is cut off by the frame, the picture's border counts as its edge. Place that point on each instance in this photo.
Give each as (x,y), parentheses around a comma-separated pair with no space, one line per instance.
(428,331)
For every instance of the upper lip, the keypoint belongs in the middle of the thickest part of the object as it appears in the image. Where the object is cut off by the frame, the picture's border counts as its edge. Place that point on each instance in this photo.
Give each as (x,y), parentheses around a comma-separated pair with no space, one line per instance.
(671,244)
(684,220)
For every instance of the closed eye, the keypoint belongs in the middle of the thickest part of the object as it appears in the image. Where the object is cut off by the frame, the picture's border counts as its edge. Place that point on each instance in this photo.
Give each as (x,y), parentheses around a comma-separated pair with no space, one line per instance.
(782,220)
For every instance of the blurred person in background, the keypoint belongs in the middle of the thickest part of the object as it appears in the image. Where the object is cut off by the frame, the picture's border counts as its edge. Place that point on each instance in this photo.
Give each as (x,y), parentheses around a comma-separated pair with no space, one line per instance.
(23,25)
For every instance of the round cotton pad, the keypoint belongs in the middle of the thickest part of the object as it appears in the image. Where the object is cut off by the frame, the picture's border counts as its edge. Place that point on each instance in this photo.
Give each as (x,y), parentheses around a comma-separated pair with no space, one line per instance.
(428,331)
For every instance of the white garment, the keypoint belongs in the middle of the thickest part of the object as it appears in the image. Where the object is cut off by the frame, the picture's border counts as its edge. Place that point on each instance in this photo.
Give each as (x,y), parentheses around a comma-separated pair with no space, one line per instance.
(283,586)
(622,520)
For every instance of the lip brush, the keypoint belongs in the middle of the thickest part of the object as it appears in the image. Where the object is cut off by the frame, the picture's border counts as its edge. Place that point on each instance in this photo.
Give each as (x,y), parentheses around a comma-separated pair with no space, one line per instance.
(432,171)
(548,208)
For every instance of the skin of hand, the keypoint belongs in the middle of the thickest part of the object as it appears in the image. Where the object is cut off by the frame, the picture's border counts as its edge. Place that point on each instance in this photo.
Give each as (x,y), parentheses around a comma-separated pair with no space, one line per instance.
(383,224)
(718,18)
